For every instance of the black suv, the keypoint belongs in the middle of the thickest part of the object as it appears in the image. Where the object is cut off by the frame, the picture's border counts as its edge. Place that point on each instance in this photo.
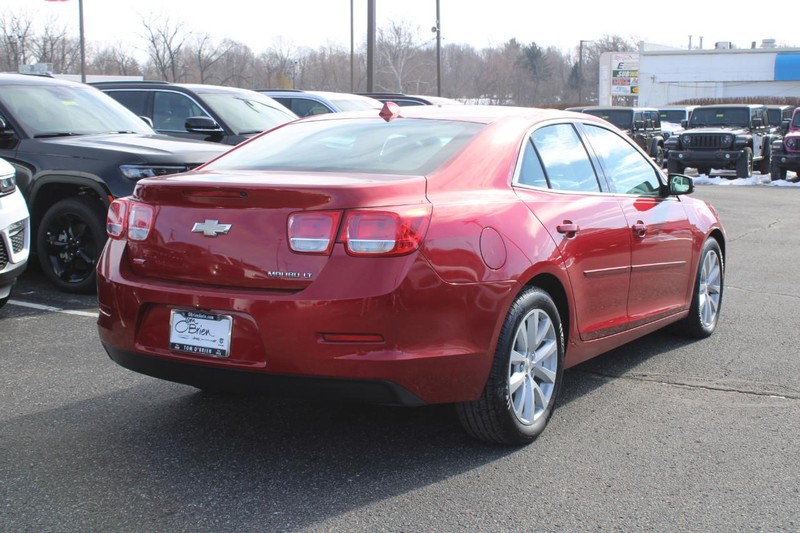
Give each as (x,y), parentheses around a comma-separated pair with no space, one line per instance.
(74,149)
(213,113)
(723,136)
(642,124)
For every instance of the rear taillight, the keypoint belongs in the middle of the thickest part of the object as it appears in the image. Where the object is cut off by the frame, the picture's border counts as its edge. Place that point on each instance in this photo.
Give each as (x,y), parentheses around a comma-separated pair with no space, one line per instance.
(115,219)
(140,221)
(127,218)
(313,232)
(382,232)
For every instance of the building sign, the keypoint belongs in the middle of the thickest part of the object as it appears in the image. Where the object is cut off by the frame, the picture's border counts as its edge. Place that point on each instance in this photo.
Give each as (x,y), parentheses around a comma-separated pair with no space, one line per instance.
(624,74)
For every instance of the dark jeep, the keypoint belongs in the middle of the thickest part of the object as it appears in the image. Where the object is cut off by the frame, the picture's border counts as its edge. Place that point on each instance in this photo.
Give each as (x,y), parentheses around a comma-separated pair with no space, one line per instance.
(74,149)
(786,151)
(642,124)
(724,136)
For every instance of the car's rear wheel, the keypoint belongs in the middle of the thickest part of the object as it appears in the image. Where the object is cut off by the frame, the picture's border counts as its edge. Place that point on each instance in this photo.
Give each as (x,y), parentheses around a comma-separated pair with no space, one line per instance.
(520,394)
(764,163)
(707,295)
(703,170)
(744,166)
(658,156)
(69,241)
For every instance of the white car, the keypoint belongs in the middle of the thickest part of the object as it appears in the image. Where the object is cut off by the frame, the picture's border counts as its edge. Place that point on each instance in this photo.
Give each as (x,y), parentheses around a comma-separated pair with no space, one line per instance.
(15,234)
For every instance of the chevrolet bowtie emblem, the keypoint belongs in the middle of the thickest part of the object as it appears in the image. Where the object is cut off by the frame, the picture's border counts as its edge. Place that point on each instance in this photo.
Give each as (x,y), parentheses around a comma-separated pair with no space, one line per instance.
(210,228)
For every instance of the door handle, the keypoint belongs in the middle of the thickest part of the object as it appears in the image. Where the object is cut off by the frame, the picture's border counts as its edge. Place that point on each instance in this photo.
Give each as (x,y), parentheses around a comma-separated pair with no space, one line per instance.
(639,229)
(568,229)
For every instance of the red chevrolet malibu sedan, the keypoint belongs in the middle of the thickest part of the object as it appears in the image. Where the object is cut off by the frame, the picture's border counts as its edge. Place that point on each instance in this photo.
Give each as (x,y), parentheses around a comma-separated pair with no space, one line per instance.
(418,255)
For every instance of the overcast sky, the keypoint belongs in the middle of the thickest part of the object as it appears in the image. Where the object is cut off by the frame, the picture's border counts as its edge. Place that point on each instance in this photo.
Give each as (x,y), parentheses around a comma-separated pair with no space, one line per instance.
(262,24)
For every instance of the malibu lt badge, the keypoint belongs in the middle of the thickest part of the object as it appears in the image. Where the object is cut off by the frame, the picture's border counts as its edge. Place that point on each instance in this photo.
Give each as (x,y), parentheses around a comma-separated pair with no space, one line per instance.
(211,228)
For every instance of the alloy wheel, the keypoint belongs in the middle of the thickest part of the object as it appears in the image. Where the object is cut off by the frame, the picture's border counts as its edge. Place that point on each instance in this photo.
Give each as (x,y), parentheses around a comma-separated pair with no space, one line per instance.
(533,366)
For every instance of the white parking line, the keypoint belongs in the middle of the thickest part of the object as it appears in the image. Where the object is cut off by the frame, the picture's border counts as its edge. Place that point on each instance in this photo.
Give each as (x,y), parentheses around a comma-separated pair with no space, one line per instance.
(52,309)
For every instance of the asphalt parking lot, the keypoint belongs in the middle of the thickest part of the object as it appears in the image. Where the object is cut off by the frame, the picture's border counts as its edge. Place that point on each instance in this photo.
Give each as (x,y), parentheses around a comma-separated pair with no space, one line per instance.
(664,434)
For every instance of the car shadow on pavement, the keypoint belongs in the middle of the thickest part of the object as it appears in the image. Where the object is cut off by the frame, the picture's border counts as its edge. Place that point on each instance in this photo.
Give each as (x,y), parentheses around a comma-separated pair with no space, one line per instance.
(162,456)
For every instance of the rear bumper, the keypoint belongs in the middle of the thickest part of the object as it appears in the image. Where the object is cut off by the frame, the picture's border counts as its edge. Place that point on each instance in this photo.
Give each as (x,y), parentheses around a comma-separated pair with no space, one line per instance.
(302,387)
(437,340)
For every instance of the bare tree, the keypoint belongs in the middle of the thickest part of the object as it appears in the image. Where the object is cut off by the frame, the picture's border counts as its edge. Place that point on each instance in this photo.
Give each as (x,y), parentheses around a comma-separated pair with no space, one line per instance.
(398,52)
(16,40)
(205,55)
(53,45)
(115,60)
(165,40)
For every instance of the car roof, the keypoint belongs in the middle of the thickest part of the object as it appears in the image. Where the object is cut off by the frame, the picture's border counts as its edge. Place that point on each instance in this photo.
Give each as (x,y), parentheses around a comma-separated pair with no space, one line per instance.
(618,108)
(485,114)
(34,79)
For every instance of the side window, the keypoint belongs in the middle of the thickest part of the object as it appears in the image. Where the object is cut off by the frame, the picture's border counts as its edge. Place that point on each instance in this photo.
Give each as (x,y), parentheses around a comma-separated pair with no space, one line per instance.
(136,101)
(170,111)
(565,160)
(629,171)
(532,172)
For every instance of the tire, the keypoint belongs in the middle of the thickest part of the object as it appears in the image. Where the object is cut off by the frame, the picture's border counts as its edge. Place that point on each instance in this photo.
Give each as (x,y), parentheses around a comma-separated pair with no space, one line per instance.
(777,172)
(703,170)
(69,240)
(521,391)
(4,301)
(673,167)
(744,166)
(766,161)
(658,156)
(707,294)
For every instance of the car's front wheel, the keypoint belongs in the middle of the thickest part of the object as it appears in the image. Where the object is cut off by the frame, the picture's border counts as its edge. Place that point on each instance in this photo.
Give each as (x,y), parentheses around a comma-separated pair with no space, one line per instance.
(673,167)
(777,172)
(744,166)
(520,394)
(69,241)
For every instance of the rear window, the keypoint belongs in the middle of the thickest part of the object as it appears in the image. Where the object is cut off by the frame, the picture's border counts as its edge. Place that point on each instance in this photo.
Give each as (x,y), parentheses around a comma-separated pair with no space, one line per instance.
(401,146)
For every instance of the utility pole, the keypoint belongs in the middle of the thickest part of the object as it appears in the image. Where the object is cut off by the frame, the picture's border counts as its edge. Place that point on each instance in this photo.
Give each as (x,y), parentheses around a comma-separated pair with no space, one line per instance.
(438,30)
(370,45)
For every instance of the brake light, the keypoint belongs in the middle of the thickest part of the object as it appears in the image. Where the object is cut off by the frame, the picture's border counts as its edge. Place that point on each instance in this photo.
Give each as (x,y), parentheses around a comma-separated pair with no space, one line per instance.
(140,221)
(115,218)
(313,232)
(126,218)
(374,232)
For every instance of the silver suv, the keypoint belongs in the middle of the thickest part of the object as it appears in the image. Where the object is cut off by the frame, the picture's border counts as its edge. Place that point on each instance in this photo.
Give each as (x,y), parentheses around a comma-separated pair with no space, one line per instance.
(15,234)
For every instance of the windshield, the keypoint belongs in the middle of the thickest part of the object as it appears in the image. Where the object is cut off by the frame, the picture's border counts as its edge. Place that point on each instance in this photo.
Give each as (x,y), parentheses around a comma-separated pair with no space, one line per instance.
(248,113)
(622,119)
(720,116)
(673,116)
(57,110)
(401,146)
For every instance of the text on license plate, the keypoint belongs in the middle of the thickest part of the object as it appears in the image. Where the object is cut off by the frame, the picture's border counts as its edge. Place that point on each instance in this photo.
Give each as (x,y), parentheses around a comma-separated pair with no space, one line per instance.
(200,333)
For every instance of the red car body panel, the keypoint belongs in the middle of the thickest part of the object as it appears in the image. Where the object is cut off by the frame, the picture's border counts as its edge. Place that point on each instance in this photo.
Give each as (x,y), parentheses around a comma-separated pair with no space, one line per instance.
(427,322)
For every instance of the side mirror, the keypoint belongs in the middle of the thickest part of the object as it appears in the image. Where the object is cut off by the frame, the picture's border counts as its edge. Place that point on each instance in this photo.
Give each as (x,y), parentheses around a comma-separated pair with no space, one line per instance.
(5,129)
(785,124)
(206,125)
(684,123)
(679,184)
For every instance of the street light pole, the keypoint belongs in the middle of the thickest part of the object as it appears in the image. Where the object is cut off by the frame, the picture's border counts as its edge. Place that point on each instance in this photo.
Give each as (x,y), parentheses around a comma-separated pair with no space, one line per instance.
(82,40)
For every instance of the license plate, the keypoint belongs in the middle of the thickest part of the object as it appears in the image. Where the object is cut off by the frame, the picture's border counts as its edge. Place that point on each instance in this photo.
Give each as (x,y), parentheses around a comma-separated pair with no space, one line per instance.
(200,333)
